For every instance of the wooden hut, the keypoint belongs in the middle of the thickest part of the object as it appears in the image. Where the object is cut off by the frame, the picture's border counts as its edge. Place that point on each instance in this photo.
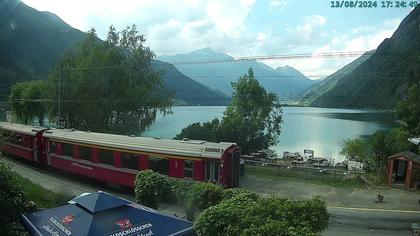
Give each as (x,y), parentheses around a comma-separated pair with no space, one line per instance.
(404,168)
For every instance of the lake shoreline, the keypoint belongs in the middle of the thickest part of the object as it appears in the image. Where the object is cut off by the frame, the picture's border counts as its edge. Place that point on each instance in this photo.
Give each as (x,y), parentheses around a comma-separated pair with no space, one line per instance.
(318,129)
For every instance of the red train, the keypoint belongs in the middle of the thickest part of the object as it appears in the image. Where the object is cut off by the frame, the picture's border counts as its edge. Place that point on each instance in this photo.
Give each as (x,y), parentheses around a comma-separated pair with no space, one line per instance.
(117,159)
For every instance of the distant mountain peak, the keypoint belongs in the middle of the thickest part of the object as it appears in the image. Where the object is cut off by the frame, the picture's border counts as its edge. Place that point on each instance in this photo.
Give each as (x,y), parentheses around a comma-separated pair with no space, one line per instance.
(287,82)
(204,50)
(285,67)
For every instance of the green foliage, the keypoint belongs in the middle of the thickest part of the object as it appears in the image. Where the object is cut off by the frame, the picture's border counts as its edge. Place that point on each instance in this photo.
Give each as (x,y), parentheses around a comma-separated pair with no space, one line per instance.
(179,191)
(384,144)
(253,119)
(202,196)
(375,150)
(12,199)
(232,192)
(247,214)
(45,198)
(151,188)
(233,211)
(113,88)
(408,110)
(28,100)
(354,149)
(201,131)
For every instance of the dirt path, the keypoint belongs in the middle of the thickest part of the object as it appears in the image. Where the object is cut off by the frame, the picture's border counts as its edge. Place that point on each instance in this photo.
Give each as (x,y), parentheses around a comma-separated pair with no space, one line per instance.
(397,199)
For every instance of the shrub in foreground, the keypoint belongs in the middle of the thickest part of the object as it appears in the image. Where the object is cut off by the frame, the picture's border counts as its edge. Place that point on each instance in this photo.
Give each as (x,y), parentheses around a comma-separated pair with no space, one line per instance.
(248,214)
(151,188)
(202,196)
(12,199)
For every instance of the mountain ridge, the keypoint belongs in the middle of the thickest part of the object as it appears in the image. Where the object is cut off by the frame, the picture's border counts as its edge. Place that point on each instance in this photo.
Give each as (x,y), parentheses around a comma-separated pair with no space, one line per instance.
(315,91)
(382,80)
(288,83)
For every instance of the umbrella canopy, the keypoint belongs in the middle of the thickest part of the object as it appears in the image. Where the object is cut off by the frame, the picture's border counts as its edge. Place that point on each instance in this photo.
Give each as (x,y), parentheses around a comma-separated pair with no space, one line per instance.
(103,214)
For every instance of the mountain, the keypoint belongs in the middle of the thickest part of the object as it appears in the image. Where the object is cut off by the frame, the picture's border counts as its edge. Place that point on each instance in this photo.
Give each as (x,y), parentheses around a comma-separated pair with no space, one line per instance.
(381,81)
(31,41)
(213,72)
(311,94)
(188,91)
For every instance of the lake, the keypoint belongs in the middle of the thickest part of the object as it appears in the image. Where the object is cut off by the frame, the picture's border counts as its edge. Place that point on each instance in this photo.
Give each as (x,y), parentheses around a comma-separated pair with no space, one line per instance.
(320,129)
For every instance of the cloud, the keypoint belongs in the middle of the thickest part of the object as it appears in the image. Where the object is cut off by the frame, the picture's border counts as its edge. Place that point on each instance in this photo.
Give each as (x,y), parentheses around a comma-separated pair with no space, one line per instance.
(310,23)
(279,4)
(358,39)
(236,27)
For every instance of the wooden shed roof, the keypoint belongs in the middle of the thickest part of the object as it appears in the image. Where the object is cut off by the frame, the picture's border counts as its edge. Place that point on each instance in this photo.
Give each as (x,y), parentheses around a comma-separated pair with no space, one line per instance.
(407,154)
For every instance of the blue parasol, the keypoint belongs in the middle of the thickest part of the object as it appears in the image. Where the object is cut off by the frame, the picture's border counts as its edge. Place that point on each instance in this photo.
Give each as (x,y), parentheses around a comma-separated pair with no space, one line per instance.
(103,214)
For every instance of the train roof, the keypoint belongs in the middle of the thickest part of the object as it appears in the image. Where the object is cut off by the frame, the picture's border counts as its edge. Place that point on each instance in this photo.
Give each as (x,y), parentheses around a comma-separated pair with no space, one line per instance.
(188,148)
(25,129)
(191,148)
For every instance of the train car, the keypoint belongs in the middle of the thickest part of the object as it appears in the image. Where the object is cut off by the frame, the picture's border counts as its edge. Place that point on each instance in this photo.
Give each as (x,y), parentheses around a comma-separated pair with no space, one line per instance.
(23,141)
(118,158)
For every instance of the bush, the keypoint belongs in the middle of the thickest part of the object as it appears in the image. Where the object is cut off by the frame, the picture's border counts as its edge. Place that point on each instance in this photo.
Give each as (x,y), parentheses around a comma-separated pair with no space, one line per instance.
(248,214)
(202,196)
(311,214)
(12,199)
(232,192)
(152,188)
(226,218)
(179,191)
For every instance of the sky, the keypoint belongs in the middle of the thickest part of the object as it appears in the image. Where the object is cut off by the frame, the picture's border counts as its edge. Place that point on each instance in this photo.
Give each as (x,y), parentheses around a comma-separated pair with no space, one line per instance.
(240,27)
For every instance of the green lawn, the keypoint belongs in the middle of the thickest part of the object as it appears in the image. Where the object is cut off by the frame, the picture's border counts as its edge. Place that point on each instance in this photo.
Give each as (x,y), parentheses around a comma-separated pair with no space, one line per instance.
(301,175)
(43,197)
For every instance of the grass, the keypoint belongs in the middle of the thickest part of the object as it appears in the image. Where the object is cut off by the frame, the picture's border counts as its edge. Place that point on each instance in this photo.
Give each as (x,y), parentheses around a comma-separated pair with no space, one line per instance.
(45,198)
(308,176)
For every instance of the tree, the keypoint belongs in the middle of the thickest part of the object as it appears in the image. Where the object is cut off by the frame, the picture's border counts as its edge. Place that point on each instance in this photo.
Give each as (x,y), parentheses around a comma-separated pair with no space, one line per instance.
(253,119)
(384,144)
(28,100)
(201,131)
(354,149)
(109,86)
(375,150)
(408,110)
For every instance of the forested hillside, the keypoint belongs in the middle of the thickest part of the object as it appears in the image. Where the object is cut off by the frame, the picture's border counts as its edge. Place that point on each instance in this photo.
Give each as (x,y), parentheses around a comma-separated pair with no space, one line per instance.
(382,80)
(310,95)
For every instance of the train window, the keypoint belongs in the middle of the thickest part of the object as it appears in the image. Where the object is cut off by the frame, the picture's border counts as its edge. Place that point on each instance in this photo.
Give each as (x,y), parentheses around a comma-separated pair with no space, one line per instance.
(85,153)
(160,165)
(53,147)
(16,139)
(106,157)
(188,169)
(130,161)
(67,149)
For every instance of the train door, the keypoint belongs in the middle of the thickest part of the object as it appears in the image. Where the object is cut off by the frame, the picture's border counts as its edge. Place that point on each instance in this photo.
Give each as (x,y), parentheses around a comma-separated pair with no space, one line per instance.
(235,167)
(212,171)
(39,154)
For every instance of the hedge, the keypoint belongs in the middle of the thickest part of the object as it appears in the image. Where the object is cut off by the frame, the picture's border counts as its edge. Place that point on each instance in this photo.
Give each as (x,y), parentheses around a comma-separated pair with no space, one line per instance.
(12,199)
(233,211)
(248,214)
